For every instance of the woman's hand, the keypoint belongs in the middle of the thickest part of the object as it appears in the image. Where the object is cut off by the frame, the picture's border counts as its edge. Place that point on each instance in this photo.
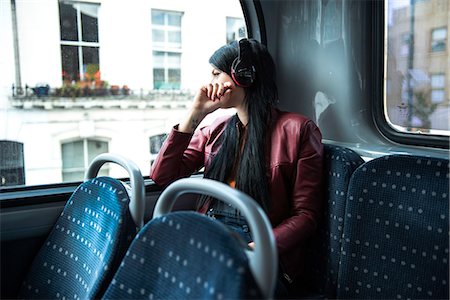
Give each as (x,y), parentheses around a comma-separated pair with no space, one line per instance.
(208,99)
(210,96)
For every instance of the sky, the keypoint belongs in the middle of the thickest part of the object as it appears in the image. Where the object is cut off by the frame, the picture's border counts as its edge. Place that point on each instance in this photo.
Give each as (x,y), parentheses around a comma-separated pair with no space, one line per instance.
(395,4)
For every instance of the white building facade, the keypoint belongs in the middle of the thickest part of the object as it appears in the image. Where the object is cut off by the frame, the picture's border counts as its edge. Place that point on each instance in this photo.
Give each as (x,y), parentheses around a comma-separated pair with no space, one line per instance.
(115,76)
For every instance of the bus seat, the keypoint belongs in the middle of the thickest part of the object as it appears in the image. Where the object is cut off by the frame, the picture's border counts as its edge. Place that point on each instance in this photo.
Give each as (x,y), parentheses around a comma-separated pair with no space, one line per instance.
(187,255)
(90,237)
(396,236)
(324,249)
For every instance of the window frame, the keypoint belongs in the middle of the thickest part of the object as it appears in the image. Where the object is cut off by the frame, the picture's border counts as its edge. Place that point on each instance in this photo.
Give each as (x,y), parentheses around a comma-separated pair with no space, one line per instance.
(379,64)
(23,195)
(79,43)
(166,69)
(166,48)
(437,88)
(86,162)
(444,39)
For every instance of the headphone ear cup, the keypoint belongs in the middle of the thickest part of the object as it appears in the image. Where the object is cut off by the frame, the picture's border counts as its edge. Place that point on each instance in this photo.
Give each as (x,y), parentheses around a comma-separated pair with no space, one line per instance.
(242,70)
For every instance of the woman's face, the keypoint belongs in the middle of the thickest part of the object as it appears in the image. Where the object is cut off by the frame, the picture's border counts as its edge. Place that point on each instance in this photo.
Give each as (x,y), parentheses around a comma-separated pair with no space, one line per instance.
(237,96)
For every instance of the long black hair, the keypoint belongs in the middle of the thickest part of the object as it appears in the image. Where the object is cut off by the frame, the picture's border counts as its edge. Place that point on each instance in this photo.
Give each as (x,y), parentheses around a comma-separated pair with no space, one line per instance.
(260,97)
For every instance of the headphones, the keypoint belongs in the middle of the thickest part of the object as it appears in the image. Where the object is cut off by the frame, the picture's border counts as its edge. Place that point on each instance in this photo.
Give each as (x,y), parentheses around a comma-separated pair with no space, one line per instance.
(243,71)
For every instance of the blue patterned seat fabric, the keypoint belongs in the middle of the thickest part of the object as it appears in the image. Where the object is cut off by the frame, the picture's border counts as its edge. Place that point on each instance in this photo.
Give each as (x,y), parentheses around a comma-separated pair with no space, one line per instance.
(396,234)
(324,250)
(85,246)
(184,255)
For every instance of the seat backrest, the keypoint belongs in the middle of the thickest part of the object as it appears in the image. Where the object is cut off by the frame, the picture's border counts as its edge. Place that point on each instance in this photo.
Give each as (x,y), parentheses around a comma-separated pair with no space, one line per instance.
(85,246)
(396,236)
(184,255)
(324,249)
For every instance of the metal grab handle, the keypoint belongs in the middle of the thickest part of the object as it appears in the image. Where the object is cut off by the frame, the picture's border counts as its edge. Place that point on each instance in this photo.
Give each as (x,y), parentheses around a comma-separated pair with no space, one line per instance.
(137,198)
(264,262)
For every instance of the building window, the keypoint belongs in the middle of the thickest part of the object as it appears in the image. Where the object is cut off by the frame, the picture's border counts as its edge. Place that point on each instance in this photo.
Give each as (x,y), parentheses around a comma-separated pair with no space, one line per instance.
(77,155)
(437,88)
(156,142)
(438,39)
(166,70)
(166,40)
(12,169)
(235,29)
(79,40)
(405,39)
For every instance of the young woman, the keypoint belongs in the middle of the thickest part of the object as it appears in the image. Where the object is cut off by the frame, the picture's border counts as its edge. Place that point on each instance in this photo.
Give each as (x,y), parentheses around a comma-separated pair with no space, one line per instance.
(273,156)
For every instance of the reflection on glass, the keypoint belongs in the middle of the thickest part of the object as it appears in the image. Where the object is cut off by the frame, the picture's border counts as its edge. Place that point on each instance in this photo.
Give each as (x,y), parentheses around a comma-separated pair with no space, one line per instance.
(90,57)
(68,22)
(156,142)
(89,22)
(332,21)
(70,66)
(438,39)
(12,167)
(235,29)
(157,17)
(417,86)
(158,35)
(174,19)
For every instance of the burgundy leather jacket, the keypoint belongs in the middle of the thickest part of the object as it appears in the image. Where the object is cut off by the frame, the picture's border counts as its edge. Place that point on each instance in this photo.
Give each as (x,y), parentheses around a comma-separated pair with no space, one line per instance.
(294,170)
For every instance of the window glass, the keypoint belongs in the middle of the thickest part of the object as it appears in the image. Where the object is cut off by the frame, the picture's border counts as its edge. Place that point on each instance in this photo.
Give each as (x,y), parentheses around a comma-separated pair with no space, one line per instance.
(105,76)
(90,57)
(174,36)
(158,35)
(70,63)
(404,46)
(235,29)
(438,39)
(417,82)
(174,59)
(68,22)
(158,59)
(89,22)
(12,170)
(167,73)
(157,17)
(174,19)
(72,155)
(95,148)
(76,156)
(156,143)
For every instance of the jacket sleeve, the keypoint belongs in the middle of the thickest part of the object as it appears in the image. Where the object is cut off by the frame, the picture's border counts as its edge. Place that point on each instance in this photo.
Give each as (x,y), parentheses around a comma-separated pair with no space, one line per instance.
(306,192)
(181,155)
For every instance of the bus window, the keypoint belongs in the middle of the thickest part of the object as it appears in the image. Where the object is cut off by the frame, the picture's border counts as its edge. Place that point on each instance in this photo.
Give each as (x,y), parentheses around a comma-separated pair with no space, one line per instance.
(417,74)
(80,78)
